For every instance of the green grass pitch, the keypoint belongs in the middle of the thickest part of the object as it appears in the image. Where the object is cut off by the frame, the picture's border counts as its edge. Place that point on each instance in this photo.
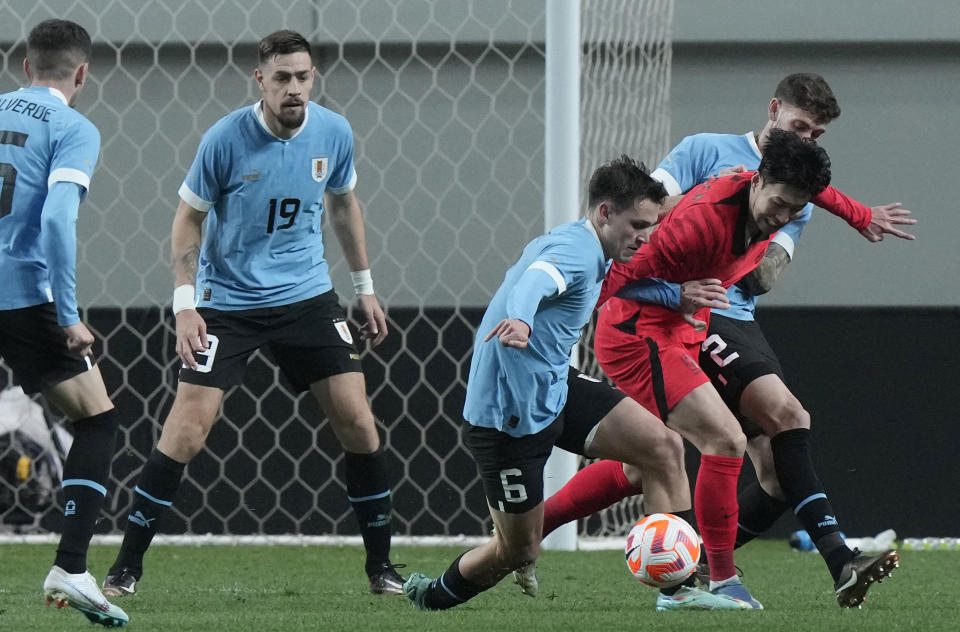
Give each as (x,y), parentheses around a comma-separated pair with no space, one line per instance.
(243,589)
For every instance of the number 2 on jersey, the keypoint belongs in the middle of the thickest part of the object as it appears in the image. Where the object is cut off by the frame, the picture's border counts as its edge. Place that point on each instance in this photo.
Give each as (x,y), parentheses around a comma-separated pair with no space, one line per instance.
(286,209)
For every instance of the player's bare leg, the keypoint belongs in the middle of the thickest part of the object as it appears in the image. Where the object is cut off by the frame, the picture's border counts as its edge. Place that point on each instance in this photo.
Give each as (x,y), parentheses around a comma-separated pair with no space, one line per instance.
(704,420)
(185,430)
(514,544)
(343,398)
(632,435)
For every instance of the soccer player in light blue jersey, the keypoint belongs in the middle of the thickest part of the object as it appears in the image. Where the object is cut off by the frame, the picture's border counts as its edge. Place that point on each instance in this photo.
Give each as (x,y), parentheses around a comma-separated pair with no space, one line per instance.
(523,398)
(48,152)
(262,178)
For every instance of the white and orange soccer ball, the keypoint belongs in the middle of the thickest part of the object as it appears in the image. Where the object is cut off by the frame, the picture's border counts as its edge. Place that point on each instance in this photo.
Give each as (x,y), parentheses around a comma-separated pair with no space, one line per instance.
(662,550)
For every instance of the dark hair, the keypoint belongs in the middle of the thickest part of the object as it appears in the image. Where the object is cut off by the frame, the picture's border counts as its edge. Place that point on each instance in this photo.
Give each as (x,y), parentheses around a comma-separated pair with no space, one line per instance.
(622,182)
(282,42)
(797,163)
(55,48)
(810,92)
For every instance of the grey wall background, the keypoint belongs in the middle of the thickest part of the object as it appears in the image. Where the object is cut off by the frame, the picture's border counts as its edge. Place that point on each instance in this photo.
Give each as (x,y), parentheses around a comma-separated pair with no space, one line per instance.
(894,68)
(169,69)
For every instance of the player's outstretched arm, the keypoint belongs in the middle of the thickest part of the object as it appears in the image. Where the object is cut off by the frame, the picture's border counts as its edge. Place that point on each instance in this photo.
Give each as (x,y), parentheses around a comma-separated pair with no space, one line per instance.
(873,222)
(346,217)
(185,239)
(884,219)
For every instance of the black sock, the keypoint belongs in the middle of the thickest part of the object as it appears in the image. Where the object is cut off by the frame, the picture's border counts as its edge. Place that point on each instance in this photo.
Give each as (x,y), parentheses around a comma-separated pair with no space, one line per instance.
(451,589)
(368,490)
(691,582)
(154,493)
(758,511)
(690,516)
(85,477)
(805,493)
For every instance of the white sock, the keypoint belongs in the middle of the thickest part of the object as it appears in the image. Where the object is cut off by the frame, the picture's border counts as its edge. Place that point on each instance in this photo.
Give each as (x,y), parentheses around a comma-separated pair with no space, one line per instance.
(725,582)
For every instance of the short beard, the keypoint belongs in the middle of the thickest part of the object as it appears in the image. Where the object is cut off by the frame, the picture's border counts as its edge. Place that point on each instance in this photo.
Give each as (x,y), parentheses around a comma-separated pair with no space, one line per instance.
(291,123)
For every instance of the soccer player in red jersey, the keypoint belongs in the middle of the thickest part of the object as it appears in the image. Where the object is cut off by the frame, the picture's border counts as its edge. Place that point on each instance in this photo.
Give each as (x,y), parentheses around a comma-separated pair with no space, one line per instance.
(737,358)
(720,230)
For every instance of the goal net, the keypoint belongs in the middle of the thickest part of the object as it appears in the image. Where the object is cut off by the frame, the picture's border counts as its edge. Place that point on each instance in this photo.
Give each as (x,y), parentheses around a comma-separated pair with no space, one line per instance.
(625,95)
(446,100)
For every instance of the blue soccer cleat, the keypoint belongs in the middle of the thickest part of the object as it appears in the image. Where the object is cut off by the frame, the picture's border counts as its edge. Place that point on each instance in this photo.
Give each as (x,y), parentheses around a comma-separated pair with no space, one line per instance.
(690,598)
(736,590)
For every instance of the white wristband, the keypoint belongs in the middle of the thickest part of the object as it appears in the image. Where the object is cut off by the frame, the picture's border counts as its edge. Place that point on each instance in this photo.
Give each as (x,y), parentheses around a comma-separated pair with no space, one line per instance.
(362,282)
(183,298)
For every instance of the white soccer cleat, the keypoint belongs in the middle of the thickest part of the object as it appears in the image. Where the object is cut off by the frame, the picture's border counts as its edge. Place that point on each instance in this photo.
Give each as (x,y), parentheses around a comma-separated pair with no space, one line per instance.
(528,580)
(80,591)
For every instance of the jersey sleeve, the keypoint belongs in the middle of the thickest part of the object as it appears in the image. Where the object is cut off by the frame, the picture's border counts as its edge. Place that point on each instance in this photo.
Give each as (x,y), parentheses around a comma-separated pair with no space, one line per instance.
(58,239)
(654,291)
(681,170)
(75,155)
(844,207)
(343,174)
(555,270)
(202,186)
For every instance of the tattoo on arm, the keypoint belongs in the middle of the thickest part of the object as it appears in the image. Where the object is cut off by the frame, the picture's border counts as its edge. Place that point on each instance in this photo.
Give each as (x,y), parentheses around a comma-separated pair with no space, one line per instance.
(762,279)
(186,264)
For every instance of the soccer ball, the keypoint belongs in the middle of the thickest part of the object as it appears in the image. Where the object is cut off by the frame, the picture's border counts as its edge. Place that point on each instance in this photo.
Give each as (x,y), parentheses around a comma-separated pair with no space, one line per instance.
(662,550)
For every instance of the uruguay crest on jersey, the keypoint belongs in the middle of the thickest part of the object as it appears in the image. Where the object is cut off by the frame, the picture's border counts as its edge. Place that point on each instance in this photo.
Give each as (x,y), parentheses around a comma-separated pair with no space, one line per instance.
(319,168)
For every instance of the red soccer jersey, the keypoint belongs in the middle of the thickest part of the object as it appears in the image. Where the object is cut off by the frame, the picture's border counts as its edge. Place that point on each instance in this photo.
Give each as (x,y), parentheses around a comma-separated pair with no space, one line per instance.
(704,236)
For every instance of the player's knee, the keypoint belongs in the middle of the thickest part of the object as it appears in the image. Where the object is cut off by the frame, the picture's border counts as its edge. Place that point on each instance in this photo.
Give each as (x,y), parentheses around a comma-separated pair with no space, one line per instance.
(183,437)
(730,441)
(791,415)
(357,432)
(667,457)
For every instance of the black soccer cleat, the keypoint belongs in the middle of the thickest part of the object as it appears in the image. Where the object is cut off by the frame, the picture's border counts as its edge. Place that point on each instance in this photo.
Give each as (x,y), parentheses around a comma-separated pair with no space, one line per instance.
(702,574)
(860,572)
(120,584)
(386,580)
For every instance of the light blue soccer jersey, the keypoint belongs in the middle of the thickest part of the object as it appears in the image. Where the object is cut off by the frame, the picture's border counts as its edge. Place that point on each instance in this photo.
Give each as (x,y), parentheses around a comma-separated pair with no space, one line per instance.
(694,160)
(553,288)
(43,143)
(262,245)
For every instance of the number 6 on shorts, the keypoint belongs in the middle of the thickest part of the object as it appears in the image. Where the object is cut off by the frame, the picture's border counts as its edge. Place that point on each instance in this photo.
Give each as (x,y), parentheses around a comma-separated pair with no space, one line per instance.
(512,492)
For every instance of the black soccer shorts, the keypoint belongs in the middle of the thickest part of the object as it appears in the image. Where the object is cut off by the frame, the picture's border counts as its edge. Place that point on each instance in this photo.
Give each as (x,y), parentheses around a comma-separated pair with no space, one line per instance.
(511,468)
(35,348)
(310,340)
(734,354)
